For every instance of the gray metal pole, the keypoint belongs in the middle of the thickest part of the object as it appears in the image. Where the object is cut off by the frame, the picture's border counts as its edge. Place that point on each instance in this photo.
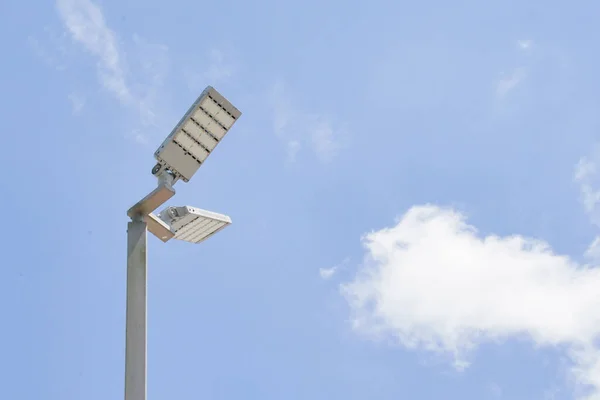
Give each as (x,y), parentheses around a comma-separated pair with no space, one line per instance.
(135,336)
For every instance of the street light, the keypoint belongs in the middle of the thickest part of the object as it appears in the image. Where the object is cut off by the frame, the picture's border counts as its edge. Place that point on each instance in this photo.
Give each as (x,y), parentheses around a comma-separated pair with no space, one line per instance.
(180,155)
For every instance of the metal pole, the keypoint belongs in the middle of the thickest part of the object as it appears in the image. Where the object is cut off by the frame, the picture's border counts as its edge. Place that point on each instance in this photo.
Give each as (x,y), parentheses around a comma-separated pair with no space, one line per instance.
(135,336)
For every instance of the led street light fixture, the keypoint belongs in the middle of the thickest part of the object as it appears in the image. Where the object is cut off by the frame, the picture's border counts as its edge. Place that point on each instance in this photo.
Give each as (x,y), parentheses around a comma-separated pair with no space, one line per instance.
(192,224)
(197,134)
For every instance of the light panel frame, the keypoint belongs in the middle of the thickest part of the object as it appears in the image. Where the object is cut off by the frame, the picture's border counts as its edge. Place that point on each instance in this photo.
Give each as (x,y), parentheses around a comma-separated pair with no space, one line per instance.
(197,134)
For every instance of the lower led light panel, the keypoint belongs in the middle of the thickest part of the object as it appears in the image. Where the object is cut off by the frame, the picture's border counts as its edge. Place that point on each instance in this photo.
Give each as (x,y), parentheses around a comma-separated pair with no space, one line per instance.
(191,224)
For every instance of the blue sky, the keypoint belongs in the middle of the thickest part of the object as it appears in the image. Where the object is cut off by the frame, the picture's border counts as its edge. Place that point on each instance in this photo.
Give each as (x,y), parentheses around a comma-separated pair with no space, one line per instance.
(414,190)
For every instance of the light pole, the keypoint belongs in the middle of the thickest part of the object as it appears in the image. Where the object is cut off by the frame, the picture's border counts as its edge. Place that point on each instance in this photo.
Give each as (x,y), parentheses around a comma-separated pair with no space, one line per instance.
(179,156)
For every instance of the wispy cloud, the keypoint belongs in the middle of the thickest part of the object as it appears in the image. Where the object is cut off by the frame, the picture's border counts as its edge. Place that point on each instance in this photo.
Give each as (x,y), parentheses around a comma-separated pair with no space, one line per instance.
(137,136)
(220,68)
(137,85)
(324,140)
(432,282)
(85,21)
(77,102)
(593,250)
(496,391)
(301,129)
(293,147)
(588,180)
(508,82)
(328,273)
(52,49)
(525,44)
(152,67)
(587,177)
(551,393)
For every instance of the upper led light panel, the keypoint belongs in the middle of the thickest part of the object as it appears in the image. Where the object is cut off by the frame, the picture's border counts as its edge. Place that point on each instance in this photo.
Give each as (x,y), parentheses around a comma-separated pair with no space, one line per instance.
(197,134)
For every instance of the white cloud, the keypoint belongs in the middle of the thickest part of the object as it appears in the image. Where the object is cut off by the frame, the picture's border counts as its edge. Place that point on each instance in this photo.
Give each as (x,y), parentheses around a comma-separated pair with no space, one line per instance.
(593,250)
(551,393)
(432,282)
(525,44)
(328,273)
(302,129)
(509,82)
(496,390)
(586,176)
(584,169)
(283,113)
(324,140)
(138,137)
(293,147)
(77,102)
